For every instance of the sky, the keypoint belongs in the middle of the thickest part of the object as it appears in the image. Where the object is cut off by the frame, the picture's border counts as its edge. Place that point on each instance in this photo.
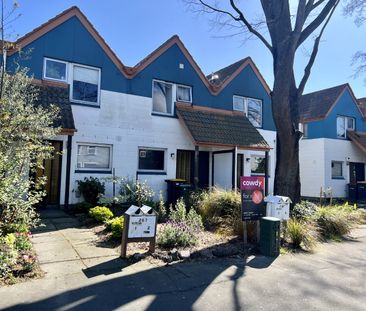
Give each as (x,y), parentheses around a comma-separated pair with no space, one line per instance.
(133,29)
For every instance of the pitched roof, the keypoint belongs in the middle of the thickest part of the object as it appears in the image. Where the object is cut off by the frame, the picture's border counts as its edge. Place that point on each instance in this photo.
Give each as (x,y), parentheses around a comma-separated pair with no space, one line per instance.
(217,127)
(58,96)
(316,105)
(130,72)
(218,77)
(358,138)
(361,102)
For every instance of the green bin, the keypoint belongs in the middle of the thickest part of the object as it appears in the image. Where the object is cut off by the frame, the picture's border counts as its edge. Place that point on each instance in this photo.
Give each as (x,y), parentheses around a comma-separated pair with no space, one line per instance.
(270,236)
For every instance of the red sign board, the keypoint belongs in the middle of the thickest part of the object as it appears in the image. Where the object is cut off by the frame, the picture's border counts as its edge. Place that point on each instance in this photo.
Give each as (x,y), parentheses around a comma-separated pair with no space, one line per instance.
(252,197)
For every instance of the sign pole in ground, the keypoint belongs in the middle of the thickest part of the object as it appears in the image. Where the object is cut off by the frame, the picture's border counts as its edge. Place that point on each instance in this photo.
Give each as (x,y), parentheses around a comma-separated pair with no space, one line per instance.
(252,202)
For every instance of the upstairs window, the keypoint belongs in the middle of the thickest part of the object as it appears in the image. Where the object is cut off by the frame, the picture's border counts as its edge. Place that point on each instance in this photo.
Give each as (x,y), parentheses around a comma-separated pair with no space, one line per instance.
(164,95)
(55,70)
(344,124)
(85,85)
(251,107)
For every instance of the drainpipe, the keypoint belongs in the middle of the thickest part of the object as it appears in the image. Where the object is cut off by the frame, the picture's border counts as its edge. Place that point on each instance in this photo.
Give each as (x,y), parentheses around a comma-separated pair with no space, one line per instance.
(68,171)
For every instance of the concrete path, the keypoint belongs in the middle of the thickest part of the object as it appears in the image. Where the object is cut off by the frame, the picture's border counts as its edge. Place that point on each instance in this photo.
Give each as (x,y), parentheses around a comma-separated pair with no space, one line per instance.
(82,276)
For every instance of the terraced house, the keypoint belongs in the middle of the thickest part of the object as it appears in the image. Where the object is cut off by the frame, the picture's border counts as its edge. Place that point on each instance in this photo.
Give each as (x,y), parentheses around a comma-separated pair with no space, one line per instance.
(160,119)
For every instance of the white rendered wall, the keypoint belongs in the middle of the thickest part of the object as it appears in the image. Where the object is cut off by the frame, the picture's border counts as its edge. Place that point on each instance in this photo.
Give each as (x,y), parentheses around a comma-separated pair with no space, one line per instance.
(223,170)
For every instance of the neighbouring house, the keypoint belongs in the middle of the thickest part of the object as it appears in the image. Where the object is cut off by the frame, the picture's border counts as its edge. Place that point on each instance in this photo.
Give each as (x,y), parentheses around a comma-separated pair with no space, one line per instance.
(333,148)
(159,120)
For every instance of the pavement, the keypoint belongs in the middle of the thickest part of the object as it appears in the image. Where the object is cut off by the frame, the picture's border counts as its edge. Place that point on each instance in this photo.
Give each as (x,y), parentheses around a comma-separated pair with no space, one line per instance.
(83,275)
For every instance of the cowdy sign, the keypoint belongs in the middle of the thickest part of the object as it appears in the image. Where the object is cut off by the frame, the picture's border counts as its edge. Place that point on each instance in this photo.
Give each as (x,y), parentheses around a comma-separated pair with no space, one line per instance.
(252,197)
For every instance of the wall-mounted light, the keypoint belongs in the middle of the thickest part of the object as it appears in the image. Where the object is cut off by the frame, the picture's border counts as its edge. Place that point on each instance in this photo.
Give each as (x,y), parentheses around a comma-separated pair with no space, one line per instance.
(172,155)
(247,159)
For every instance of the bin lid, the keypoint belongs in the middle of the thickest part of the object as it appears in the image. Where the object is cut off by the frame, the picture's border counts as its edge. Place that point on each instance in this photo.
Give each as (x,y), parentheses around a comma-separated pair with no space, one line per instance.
(175,180)
(271,218)
(362,182)
(277,199)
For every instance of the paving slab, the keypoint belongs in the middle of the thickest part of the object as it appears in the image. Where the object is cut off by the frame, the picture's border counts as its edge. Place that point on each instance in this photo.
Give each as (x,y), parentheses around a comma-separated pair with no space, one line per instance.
(91,251)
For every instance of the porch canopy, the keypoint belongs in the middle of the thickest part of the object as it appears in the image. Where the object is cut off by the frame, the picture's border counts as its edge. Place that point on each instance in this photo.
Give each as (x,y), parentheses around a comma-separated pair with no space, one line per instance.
(358,138)
(229,130)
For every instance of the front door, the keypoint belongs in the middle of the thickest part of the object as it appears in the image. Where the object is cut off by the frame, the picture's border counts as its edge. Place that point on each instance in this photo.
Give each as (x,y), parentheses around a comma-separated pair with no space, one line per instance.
(52,170)
(356,172)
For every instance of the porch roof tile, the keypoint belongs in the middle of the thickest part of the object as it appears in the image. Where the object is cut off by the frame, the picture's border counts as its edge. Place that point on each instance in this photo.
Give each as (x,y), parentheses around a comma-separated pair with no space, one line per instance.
(218,127)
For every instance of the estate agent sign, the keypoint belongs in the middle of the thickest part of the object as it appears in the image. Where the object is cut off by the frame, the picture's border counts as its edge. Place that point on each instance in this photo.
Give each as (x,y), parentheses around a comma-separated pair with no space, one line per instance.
(252,197)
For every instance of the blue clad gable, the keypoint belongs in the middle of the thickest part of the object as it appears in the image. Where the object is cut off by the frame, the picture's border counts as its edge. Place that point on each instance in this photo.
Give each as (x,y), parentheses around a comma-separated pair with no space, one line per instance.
(327,128)
(72,42)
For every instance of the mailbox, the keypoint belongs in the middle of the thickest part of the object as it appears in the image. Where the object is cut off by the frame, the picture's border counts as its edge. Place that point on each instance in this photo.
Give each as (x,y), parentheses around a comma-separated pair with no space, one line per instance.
(139,226)
(278,206)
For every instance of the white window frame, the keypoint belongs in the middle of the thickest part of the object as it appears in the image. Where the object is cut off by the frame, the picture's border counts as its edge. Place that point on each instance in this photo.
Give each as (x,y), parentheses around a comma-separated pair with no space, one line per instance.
(331,170)
(174,96)
(186,87)
(345,122)
(58,61)
(246,100)
(154,149)
(95,145)
(71,82)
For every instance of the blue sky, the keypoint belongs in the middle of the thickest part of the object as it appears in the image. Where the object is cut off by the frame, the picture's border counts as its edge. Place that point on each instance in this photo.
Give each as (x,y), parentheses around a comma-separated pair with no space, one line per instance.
(135,28)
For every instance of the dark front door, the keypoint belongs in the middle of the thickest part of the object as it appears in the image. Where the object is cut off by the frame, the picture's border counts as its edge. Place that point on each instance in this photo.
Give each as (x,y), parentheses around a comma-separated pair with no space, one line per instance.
(356,172)
(185,167)
(52,170)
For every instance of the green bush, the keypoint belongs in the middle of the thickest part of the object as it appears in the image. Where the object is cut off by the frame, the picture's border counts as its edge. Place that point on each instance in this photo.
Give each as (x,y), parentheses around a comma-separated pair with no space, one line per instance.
(335,221)
(221,209)
(91,188)
(115,225)
(82,207)
(304,210)
(22,242)
(179,212)
(12,228)
(174,234)
(194,221)
(100,213)
(301,233)
(136,192)
(161,209)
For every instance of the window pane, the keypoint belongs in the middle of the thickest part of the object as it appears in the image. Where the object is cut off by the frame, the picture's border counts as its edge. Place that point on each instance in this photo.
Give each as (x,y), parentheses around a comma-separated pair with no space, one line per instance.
(341,130)
(93,157)
(55,70)
(350,123)
(255,112)
(258,165)
(85,84)
(337,169)
(238,103)
(184,93)
(162,97)
(151,159)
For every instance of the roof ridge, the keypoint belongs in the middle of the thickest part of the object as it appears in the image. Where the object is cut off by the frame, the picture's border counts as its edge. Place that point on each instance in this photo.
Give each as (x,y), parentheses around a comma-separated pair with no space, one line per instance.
(329,88)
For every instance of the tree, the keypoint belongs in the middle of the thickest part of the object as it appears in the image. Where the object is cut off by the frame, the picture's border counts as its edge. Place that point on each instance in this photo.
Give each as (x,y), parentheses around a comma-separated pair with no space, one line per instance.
(282,33)
(24,131)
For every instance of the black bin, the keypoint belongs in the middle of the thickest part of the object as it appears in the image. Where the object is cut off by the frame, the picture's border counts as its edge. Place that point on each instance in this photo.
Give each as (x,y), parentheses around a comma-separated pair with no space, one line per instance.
(352,192)
(361,191)
(176,188)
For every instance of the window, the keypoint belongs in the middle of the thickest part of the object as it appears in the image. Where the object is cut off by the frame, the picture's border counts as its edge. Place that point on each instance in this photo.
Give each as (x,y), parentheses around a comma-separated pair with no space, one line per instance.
(85,85)
(94,157)
(164,95)
(258,165)
(251,107)
(344,124)
(151,159)
(337,169)
(184,93)
(55,70)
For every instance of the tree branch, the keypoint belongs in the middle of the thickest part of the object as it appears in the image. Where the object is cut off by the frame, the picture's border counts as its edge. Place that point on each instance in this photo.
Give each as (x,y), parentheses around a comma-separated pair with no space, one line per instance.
(314,52)
(249,26)
(318,20)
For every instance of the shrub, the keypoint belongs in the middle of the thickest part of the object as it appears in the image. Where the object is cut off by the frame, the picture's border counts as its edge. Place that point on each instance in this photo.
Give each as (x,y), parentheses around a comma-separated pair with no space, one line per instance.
(301,233)
(161,209)
(91,188)
(194,220)
(136,192)
(179,213)
(9,240)
(336,221)
(18,227)
(100,213)
(174,234)
(83,207)
(304,210)
(8,258)
(22,242)
(115,225)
